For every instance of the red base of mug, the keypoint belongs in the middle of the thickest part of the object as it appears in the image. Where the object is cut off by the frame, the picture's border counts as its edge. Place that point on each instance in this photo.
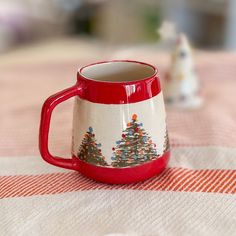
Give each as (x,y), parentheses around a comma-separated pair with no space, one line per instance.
(124,175)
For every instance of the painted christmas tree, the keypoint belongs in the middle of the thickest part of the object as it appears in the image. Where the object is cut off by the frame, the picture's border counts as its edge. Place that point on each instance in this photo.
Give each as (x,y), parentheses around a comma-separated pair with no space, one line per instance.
(90,151)
(166,145)
(135,147)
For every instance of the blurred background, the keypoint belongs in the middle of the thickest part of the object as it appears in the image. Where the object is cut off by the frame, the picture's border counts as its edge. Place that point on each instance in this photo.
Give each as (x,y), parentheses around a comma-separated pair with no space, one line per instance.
(208,23)
(43,42)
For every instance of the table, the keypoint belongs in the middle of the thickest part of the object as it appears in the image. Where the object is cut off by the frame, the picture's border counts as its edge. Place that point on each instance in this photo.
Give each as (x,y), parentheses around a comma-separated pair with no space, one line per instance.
(195,195)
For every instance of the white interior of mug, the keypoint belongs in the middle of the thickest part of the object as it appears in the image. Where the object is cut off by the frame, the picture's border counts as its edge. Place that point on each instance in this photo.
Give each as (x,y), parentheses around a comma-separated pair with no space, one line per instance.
(118,71)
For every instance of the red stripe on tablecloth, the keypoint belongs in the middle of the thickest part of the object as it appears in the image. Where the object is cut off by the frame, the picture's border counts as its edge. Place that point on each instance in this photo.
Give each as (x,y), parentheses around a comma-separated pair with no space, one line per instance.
(172,179)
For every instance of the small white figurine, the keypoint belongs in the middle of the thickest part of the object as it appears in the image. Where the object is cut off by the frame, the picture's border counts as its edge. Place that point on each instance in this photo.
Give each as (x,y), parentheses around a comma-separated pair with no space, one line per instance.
(181,88)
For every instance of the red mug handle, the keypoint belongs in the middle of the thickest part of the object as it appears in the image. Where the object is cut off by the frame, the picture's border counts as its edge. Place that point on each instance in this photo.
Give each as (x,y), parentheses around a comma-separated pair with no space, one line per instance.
(46,113)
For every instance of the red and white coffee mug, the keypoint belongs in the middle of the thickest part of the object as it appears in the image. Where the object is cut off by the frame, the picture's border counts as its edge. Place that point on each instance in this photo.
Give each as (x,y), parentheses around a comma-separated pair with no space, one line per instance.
(119,126)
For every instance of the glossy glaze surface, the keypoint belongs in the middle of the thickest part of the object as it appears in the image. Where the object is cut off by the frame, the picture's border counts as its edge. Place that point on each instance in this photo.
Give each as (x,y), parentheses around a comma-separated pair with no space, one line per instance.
(131,93)
(123,175)
(118,92)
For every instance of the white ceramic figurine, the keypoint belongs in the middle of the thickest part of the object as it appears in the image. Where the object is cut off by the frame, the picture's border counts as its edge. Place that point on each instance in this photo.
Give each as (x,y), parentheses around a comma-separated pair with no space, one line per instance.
(181,88)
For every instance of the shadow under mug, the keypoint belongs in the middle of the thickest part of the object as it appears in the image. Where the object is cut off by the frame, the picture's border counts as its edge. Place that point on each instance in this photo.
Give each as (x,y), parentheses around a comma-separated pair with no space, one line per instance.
(119,123)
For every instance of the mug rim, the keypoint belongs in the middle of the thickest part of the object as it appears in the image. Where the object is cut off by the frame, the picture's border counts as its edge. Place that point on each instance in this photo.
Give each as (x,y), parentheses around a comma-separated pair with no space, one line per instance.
(154,74)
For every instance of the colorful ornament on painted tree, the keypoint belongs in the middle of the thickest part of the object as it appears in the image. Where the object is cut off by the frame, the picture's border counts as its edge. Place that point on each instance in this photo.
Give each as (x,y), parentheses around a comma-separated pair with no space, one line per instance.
(182,88)
(135,146)
(134,117)
(90,150)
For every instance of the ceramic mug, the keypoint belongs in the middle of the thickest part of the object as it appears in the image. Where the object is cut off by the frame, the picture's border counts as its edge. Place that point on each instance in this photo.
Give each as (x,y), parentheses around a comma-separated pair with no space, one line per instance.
(119,124)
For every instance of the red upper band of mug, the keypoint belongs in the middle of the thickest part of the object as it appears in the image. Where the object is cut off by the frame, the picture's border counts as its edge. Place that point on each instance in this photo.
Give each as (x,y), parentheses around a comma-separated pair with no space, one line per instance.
(118,92)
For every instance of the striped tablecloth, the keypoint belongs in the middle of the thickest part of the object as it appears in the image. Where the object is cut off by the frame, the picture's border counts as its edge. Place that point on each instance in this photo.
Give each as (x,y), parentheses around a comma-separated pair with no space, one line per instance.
(195,195)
